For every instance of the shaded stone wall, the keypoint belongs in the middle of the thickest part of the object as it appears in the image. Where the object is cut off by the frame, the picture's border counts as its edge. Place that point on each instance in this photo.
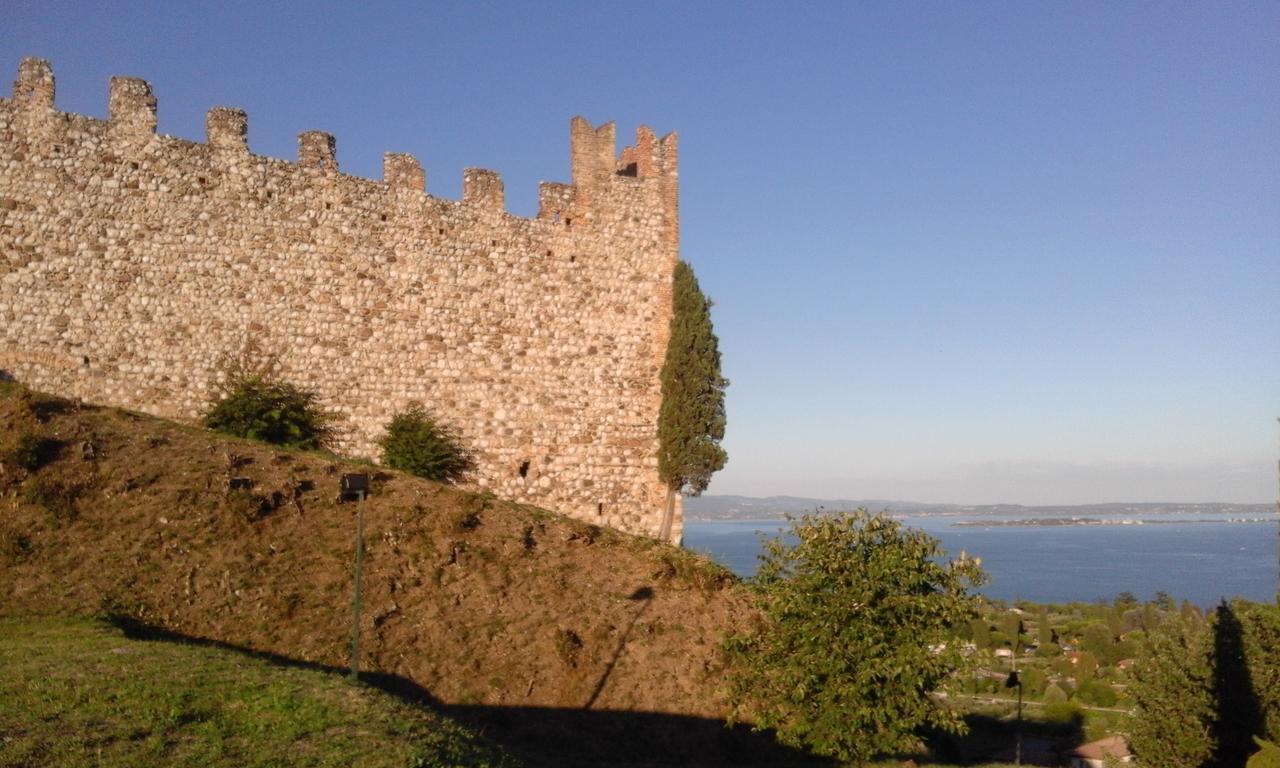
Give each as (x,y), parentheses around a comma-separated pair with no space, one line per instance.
(131,263)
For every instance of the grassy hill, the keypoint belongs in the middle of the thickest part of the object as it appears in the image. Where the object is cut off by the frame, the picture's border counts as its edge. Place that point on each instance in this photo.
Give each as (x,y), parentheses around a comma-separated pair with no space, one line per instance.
(553,635)
(76,692)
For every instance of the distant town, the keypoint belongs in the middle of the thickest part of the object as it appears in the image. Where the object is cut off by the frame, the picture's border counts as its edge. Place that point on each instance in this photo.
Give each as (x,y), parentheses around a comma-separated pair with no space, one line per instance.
(777,507)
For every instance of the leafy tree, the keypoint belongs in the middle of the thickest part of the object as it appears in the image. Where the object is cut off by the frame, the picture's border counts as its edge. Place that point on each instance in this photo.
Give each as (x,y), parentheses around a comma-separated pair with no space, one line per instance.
(1262,647)
(1172,691)
(417,443)
(1034,681)
(1086,667)
(1055,694)
(856,615)
(691,421)
(1044,630)
(981,632)
(1208,688)
(1097,693)
(1048,650)
(254,404)
(1011,625)
(1097,639)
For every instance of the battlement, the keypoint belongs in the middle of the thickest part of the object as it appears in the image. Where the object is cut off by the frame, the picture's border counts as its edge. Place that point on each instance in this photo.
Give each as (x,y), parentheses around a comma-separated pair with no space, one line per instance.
(131,262)
(131,121)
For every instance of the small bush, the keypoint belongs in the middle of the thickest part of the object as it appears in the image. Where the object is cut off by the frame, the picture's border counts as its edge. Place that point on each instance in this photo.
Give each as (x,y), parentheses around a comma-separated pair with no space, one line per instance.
(1063,713)
(273,411)
(568,646)
(33,452)
(694,571)
(419,444)
(1096,693)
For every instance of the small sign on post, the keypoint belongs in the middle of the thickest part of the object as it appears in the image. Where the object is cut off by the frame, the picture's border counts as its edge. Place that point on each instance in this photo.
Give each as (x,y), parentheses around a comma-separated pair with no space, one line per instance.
(355,487)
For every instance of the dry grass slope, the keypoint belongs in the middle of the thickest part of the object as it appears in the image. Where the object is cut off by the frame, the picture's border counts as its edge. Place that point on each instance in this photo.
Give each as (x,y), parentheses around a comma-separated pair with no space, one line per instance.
(476,603)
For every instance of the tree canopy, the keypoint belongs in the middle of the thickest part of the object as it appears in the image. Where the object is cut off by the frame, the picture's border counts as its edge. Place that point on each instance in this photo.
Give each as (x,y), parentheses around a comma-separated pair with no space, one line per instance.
(692,420)
(858,617)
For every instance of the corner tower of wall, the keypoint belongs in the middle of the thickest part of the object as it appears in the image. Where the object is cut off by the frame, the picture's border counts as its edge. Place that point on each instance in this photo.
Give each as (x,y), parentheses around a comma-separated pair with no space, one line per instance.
(131,262)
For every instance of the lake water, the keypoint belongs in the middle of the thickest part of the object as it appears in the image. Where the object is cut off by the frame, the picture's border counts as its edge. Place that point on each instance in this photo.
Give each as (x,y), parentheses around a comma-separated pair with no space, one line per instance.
(1197,561)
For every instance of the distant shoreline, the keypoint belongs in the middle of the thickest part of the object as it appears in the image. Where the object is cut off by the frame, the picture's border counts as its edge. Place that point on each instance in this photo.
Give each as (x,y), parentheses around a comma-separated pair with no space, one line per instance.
(1059,521)
(743,509)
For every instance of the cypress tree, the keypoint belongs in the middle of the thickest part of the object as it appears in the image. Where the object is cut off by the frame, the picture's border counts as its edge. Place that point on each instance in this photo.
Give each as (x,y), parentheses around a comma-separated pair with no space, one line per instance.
(692,419)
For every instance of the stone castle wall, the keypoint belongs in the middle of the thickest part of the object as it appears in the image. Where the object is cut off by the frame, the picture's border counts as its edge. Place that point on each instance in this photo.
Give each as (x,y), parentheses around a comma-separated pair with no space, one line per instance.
(132,263)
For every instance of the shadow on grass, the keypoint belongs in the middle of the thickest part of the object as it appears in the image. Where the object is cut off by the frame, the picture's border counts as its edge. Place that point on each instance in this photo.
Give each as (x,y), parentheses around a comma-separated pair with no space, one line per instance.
(993,739)
(554,736)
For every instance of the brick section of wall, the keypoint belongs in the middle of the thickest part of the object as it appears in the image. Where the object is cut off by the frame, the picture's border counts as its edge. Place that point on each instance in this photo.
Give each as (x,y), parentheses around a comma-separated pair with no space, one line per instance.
(131,263)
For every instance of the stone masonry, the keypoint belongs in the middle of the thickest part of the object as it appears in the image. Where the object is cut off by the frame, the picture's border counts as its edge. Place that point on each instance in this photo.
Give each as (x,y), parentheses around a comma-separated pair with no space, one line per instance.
(132,263)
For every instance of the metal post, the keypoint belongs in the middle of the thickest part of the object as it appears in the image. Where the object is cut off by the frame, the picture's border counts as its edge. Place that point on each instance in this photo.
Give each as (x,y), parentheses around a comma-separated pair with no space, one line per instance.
(1015,681)
(356,597)
(1017,750)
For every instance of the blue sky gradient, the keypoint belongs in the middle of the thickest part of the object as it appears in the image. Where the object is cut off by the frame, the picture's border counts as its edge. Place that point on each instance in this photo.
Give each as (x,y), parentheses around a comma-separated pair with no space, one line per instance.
(960,252)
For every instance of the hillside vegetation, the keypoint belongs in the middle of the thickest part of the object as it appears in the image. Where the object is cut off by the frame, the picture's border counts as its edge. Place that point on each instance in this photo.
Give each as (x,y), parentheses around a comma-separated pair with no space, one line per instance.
(525,621)
(76,692)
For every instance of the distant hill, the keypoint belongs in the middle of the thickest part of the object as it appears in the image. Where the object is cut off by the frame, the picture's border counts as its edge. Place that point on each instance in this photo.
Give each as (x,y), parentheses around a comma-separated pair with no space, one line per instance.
(730,507)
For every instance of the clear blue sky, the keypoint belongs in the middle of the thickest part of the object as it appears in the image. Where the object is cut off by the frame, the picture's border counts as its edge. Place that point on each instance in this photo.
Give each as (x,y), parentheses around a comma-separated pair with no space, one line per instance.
(971,252)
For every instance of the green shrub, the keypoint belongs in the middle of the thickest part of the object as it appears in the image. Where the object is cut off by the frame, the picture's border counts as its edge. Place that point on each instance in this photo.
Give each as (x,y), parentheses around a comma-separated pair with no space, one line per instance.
(854,636)
(1063,713)
(1096,693)
(1054,694)
(419,444)
(273,411)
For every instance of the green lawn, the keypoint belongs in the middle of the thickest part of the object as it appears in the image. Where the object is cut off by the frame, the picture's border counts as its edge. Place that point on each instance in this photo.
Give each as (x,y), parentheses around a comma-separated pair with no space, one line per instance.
(76,692)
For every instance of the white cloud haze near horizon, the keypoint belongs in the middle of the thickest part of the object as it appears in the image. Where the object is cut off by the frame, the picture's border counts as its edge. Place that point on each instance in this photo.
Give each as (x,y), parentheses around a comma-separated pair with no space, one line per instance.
(1035,484)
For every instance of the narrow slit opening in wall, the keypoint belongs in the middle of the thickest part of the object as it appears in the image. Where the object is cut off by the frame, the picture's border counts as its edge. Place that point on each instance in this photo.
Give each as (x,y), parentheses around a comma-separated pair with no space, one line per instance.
(568,223)
(384,217)
(573,258)
(600,509)
(524,469)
